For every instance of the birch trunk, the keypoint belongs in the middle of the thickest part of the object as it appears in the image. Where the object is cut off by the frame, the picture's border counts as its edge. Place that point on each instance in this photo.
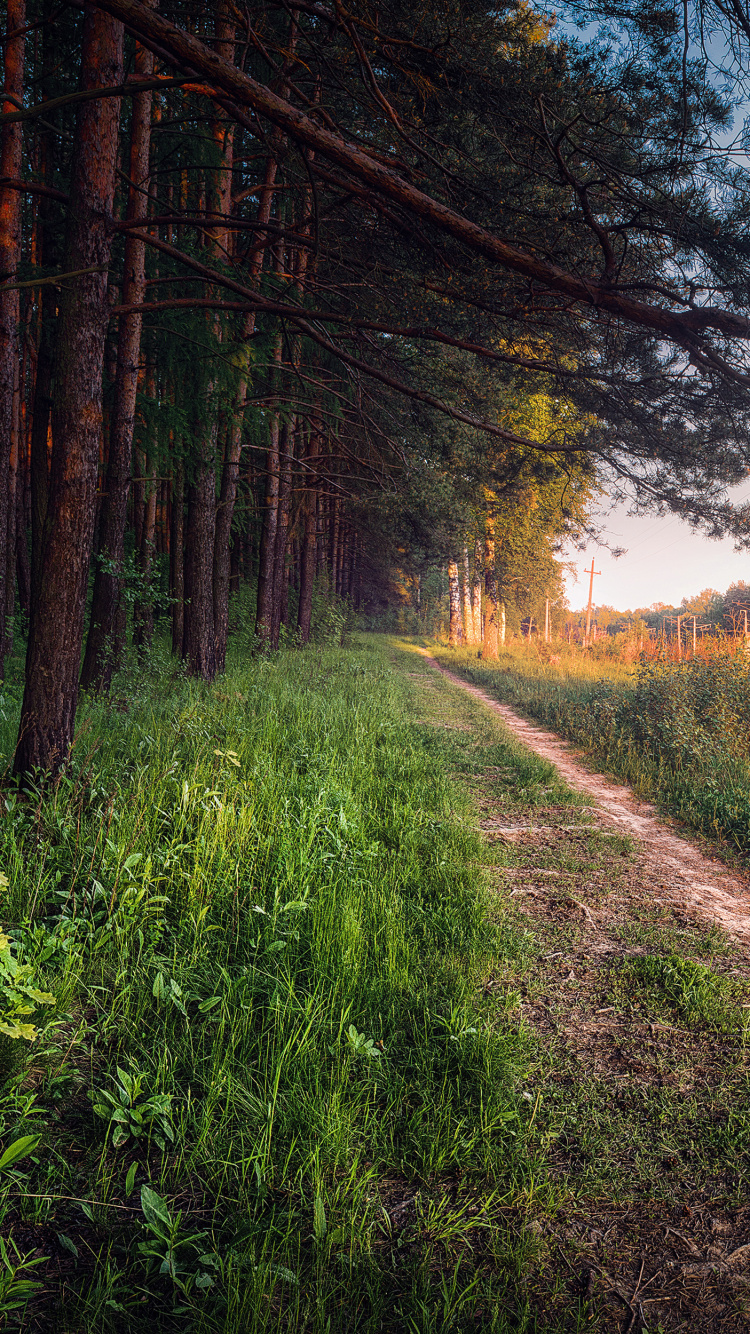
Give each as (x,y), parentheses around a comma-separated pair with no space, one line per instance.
(454,596)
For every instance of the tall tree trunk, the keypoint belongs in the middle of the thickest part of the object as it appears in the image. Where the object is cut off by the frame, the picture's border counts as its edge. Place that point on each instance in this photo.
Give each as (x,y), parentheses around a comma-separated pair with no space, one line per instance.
(54,650)
(267,559)
(267,554)
(309,537)
(40,429)
(13,484)
(235,557)
(199,640)
(490,592)
(11,143)
(143,611)
(280,581)
(335,522)
(476,593)
(102,657)
(454,597)
(23,569)
(468,610)
(177,559)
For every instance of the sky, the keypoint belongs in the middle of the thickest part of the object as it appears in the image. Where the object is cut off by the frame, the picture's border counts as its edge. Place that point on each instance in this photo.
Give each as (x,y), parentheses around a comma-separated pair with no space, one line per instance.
(665,562)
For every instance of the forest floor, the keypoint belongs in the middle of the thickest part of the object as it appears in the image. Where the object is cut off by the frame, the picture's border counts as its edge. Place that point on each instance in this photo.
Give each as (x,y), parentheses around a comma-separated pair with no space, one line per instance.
(638,997)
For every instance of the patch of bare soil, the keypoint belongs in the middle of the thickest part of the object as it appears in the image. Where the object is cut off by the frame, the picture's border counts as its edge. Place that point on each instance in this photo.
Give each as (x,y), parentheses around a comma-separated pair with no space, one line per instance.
(679,873)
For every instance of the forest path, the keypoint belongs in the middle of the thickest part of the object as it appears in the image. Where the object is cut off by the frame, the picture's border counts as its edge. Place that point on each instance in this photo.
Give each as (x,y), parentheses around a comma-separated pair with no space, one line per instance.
(681,874)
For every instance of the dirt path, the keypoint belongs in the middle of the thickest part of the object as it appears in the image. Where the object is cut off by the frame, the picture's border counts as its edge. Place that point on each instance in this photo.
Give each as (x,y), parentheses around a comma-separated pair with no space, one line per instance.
(681,874)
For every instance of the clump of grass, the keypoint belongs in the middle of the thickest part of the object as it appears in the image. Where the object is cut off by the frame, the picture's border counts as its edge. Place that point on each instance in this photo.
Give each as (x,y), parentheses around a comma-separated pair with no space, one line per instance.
(685,989)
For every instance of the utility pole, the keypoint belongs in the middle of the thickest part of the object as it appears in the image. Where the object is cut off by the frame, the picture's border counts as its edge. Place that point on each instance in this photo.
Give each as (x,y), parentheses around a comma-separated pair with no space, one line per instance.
(693,636)
(679,640)
(590,572)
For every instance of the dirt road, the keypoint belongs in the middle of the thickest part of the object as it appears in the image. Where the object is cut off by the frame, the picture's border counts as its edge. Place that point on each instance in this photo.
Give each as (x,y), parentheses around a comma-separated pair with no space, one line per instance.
(681,874)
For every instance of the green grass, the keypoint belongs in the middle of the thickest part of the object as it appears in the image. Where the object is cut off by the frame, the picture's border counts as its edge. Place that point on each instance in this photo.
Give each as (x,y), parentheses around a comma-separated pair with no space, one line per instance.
(330,1052)
(678,733)
(260,903)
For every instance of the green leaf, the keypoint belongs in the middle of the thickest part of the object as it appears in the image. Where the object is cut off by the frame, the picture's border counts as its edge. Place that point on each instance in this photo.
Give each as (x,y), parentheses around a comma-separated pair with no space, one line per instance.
(154,1208)
(68,1244)
(130,1178)
(209,1004)
(320,1224)
(18,1149)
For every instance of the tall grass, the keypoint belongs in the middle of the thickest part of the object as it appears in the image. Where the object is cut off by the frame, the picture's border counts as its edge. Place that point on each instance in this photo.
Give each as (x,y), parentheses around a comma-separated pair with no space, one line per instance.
(676,731)
(260,915)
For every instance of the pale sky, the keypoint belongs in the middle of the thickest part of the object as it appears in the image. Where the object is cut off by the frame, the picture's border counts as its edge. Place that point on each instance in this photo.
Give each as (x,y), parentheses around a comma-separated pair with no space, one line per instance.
(665,562)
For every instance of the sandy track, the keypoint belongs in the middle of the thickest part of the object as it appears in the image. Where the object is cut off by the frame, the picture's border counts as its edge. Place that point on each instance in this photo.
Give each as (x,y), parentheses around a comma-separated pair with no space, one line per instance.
(681,874)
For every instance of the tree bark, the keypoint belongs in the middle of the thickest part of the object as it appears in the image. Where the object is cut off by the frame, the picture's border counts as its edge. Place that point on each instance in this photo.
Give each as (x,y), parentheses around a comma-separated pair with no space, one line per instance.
(199,640)
(267,554)
(54,649)
(11,143)
(23,569)
(468,610)
(280,580)
(102,658)
(143,611)
(267,558)
(454,597)
(476,593)
(490,592)
(40,429)
(177,559)
(309,538)
(10,553)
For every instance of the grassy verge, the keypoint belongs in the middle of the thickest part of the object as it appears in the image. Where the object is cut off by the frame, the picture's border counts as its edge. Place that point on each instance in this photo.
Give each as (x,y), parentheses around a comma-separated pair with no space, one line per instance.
(273,1092)
(677,733)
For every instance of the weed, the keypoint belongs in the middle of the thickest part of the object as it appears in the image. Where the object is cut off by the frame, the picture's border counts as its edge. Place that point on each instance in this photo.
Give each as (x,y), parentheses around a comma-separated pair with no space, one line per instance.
(686,989)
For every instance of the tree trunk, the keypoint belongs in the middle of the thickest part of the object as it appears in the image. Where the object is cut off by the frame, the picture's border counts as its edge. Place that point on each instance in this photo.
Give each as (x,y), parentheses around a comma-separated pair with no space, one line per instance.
(23,569)
(309,539)
(40,427)
(143,611)
(267,553)
(102,657)
(54,649)
(454,595)
(177,559)
(280,581)
(13,485)
(468,610)
(235,556)
(11,143)
(200,640)
(267,559)
(476,593)
(490,592)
